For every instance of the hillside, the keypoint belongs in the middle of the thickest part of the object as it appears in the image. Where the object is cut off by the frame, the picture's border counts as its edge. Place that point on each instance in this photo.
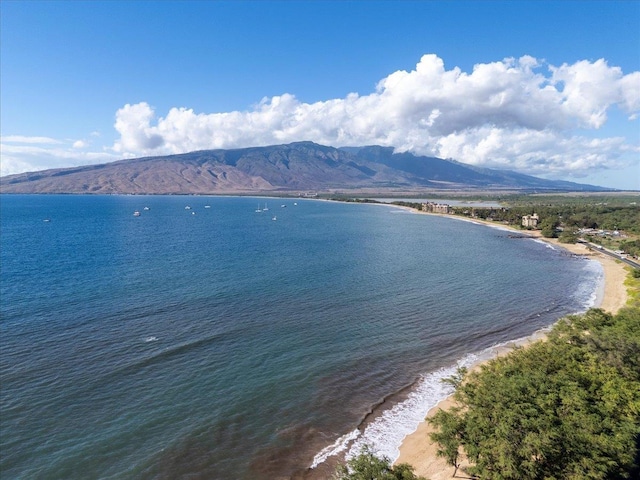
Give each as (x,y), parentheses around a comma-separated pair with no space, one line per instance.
(302,166)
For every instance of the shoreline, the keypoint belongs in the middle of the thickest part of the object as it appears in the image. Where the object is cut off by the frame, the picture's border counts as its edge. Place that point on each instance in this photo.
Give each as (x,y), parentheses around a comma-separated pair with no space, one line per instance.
(408,446)
(417,449)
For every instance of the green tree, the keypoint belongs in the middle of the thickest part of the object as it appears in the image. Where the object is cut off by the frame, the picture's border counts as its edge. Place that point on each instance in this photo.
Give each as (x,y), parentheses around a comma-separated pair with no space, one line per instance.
(366,466)
(548,227)
(568,236)
(448,435)
(457,378)
(566,408)
(632,247)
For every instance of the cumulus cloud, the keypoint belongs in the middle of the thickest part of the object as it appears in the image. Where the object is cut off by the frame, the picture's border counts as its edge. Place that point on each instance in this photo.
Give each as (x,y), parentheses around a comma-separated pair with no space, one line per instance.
(133,125)
(522,114)
(589,89)
(541,152)
(515,113)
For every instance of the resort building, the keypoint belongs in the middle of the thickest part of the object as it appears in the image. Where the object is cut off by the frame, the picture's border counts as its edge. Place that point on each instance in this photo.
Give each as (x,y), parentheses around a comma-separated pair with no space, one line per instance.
(431,207)
(530,221)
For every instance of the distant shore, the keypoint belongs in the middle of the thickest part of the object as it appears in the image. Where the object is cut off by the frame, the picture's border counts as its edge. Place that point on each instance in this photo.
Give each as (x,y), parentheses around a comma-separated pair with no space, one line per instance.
(417,448)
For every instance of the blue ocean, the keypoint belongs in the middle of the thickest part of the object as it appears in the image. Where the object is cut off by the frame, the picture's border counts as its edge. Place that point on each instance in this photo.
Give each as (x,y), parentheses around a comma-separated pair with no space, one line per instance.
(203,339)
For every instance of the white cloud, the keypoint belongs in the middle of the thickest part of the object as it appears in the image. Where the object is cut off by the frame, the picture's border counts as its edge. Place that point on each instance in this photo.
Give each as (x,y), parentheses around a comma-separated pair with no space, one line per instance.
(516,113)
(25,139)
(589,89)
(29,157)
(133,124)
(542,153)
(520,114)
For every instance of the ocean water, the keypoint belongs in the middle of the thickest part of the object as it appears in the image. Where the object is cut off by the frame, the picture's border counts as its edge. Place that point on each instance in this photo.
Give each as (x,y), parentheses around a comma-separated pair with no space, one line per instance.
(216,342)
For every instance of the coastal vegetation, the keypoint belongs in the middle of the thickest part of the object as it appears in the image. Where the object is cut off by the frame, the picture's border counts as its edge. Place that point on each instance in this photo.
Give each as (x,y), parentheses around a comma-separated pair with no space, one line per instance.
(591,215)
(632,283)
(564,408)
(567,407)
(612,221)
(367,466)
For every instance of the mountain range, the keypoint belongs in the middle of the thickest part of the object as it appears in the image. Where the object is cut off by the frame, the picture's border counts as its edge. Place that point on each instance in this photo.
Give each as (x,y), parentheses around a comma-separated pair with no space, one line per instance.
(296,167)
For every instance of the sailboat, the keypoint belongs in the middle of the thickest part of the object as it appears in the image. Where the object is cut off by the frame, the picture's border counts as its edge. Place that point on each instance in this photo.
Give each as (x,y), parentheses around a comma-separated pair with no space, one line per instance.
(265,209)
(258,210)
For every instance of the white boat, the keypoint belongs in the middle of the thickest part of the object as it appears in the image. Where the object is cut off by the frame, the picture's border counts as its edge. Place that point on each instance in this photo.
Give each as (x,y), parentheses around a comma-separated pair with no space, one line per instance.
(258,210)
(265,209)
(136,213)
(187,207)
(146,208)
(207,206)
(283,206)
(274,218)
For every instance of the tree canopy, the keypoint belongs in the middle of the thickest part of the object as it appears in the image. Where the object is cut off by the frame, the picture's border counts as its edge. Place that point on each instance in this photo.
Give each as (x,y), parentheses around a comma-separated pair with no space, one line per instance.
(565,408)
(367,466)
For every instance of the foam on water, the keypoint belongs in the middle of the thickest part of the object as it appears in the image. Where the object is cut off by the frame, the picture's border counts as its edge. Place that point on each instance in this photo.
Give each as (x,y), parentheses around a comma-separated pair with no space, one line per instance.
(542,242)
(385,434)
(481,224)
(339,446)
(591,291)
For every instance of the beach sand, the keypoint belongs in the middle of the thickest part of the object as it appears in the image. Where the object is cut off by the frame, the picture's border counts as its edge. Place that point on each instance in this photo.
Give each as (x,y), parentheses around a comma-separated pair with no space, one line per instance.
(418,450)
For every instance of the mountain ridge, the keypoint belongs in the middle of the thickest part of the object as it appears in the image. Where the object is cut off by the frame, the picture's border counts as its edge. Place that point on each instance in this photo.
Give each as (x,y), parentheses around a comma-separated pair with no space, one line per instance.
(299,166)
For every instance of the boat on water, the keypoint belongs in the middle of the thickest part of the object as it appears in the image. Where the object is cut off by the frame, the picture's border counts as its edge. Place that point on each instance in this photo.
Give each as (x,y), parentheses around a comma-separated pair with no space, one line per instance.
(258,210)
(274,218)
(187,207)
(207,206)
(146,208)
(136,213)
(265,209)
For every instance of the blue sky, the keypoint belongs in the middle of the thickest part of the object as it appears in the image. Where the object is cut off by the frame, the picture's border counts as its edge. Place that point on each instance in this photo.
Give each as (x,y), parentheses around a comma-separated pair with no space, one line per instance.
(546,88)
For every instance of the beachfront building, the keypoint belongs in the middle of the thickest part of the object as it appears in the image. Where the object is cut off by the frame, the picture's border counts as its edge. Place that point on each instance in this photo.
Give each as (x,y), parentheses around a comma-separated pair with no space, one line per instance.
(530,221)
(431,207)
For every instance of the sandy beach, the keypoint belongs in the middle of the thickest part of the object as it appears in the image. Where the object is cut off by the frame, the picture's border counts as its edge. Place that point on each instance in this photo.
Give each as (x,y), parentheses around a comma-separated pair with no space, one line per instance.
(417,448)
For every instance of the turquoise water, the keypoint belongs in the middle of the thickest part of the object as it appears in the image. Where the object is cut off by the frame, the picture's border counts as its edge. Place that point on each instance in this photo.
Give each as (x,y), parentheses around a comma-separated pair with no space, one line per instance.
(220,343)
